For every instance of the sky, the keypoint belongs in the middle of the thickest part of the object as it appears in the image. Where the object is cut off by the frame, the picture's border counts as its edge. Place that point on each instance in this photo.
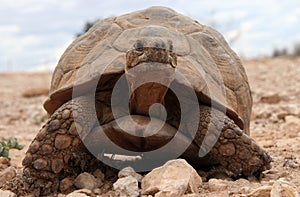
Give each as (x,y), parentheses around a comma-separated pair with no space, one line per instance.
(35,33)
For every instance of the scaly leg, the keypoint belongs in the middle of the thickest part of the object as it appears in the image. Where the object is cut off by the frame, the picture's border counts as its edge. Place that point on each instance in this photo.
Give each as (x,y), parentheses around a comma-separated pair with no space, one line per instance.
(57,151)
(237,153)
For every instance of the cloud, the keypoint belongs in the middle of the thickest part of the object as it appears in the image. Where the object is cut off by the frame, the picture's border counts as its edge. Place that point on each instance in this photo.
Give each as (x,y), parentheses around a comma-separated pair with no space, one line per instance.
(35,32)
(9,29)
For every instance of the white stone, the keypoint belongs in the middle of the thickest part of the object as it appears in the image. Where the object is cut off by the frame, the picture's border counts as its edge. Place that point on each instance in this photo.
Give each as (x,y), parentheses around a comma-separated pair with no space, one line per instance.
(129,171)
(176,177)
(126,186)
(263,191)
(80,193)
(215,185)
(282,188)
(6,193)
(7,174)
(76,195)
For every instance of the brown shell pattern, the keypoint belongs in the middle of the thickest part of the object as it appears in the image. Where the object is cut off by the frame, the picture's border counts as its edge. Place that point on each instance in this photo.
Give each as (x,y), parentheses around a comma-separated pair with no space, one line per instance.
(213,69)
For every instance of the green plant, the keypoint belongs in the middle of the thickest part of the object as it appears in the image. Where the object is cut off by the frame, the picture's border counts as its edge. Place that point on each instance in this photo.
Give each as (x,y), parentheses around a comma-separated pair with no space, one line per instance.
(6,145)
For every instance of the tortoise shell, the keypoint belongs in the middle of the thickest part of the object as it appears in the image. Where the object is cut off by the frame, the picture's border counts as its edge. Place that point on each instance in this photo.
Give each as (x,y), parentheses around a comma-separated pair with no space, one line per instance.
(203,57)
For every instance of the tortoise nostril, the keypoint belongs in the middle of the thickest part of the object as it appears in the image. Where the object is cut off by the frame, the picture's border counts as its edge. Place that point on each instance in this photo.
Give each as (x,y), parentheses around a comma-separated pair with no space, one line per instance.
(139,45)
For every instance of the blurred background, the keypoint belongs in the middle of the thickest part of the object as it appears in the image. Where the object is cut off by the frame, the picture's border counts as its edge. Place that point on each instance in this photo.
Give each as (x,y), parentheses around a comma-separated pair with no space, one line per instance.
(35,33)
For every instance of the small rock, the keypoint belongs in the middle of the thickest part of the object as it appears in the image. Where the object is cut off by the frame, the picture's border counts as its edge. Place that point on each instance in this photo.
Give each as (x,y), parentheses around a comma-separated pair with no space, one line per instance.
(242,181)
(291,126)
(5,193)
(80,193)
(108,185)
(127,186)
(66,184)
(4,163)
(215,185)
(282,189)
(282,115)
(109,194)
(291,163)
(87,181)
(7,174)
(4,160)
(292,119)
(244,190)
(175,176)
(190,195)
(129,171)
(171,194)
(97,191)
(99,174)
(271,99)
(267,143)
(263,191)
(166,194)
(218,194)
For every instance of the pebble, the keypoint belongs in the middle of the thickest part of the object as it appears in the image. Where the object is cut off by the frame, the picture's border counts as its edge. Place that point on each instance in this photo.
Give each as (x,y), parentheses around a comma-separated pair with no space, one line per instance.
(216,185)
(4,163)
(99,174)
(126,186)
(263,191)
(175,176)
(80,193)
(129,171)
(4,160)
(5,193)
(7,174)
(66,184)
(282,188)
(271,99)
(87,181)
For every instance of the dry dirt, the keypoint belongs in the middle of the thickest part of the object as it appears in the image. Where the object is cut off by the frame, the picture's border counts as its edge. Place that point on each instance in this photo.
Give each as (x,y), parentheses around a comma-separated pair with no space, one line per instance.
(275,121)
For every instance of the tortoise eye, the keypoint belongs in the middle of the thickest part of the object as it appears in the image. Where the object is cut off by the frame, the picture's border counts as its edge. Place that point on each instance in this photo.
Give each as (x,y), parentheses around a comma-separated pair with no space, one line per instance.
(139,46)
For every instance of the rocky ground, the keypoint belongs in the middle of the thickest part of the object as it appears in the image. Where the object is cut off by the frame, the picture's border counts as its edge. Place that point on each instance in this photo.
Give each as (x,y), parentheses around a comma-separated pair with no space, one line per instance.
(275,125)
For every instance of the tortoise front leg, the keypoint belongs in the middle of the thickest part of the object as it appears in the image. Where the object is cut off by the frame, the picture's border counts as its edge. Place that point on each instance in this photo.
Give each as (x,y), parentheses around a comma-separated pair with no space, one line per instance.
(237,153)
(57,151)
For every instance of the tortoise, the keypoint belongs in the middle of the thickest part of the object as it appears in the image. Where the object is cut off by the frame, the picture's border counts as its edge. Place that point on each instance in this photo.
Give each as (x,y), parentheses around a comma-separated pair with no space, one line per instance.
(136,83)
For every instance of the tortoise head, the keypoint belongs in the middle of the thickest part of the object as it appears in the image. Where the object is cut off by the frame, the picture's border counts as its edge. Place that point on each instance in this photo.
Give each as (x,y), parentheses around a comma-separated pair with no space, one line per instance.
(150,69)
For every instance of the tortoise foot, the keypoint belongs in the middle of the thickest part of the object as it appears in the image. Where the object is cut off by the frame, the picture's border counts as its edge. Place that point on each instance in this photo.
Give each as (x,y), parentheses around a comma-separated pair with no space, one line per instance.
(57,151)
(229,146)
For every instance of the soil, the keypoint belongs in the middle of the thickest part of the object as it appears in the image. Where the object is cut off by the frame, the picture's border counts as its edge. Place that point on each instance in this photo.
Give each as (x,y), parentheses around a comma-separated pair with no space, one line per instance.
(275,120)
